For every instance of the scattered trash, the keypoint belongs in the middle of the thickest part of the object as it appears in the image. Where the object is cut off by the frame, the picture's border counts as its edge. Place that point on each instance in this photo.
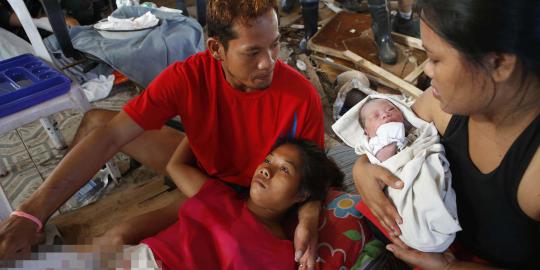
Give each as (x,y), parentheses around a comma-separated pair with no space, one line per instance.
(149,5)
(352,31)
(346,82)
(98,88)
(296,26)
(332,6)
(121,3)
(91,192)
(301,65)
(285,52)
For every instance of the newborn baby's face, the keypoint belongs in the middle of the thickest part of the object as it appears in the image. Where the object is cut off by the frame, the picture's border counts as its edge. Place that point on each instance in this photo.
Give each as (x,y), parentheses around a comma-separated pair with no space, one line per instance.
(378,112)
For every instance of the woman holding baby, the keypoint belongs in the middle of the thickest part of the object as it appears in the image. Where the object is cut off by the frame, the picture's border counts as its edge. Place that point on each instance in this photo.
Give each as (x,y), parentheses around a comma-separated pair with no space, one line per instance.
(484,101)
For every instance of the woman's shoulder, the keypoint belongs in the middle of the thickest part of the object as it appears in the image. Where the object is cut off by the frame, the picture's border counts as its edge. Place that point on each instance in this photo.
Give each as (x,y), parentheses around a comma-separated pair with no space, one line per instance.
(428,108)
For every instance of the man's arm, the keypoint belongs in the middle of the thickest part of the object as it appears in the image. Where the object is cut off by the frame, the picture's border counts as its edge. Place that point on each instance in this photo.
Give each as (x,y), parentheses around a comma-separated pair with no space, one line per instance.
(75,169)
(187,177)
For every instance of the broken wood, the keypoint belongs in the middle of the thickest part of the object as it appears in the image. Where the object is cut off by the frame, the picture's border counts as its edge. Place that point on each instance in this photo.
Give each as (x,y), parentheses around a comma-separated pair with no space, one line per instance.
(289,19)
(413,76)
(403,86)
(408,41)
(80,225)
(314,79)
(346,68)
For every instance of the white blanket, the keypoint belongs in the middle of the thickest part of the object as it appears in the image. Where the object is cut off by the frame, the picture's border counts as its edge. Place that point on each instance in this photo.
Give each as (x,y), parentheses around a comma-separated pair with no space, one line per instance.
(427,202)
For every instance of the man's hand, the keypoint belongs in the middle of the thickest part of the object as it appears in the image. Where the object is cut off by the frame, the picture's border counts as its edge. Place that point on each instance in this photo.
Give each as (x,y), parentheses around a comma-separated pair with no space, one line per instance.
(306,235)
(17,235)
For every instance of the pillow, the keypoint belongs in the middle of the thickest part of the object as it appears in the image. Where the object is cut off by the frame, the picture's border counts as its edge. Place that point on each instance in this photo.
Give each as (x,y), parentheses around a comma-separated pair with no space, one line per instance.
(345,239)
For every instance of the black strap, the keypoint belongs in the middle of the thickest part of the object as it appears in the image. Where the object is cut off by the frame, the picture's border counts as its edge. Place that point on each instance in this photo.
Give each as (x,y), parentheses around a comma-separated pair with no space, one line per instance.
(58,24)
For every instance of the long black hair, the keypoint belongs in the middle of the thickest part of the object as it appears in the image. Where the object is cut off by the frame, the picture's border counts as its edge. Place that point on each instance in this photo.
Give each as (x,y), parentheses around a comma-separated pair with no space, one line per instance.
(478,27)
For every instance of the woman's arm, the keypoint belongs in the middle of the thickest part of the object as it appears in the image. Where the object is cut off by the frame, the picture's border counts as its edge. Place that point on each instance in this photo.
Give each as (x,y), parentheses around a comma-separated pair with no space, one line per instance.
(187,177)
(370,180)
(529,189)
(427,107)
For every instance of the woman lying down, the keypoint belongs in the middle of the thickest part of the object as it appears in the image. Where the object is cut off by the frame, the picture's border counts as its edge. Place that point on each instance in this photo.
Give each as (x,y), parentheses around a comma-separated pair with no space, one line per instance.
(220,227)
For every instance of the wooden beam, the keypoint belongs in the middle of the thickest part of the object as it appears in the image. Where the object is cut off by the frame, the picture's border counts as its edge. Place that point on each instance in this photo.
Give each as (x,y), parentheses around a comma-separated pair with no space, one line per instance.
(346,68)
(411,77)
(403,86)
(407,40)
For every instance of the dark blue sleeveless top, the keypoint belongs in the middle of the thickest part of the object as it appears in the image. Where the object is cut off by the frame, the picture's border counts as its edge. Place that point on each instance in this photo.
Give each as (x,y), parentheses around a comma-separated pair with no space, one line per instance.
(494,226)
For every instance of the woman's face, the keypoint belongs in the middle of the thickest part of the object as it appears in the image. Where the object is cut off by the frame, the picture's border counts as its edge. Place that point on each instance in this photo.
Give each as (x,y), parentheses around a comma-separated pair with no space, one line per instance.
(276,181)
(460,87)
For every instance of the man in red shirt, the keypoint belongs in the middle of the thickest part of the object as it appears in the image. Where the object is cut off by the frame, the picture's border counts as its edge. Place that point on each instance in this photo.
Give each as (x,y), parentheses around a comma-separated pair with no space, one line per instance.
(235,100)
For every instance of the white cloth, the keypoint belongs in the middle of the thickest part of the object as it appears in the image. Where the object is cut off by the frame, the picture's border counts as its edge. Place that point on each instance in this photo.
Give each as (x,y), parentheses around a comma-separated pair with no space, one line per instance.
(121,3)
(12,45)
(139,257)
(393,132)
(142,22)
(98,88)
(427,202)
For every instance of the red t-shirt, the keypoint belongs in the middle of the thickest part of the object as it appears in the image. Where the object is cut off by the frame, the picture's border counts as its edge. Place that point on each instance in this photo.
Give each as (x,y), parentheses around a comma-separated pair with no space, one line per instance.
(230,131)
(216,230)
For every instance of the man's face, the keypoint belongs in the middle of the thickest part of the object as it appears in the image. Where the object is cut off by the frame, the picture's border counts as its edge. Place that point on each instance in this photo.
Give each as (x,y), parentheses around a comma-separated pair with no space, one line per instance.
(248,62)
(378,112)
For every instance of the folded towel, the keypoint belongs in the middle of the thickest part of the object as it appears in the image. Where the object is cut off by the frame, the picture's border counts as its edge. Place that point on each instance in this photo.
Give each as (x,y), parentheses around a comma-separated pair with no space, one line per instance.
(147,20)
(427,202)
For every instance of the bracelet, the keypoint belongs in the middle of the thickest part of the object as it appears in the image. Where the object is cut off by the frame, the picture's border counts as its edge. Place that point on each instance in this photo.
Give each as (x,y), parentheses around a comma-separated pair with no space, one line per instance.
(29,217)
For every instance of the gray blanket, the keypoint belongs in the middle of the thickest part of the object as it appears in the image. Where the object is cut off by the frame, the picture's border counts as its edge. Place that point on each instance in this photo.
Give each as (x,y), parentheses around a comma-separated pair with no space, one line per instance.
(143,57)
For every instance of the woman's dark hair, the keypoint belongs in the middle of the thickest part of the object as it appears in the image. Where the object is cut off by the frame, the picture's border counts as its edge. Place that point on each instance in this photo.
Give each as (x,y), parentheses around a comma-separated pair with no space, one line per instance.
(478,27)
(317,172)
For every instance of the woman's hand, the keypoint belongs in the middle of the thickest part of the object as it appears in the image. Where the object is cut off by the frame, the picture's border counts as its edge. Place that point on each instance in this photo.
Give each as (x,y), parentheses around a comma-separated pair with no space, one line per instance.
(369,180)
(423,260)
(306,235)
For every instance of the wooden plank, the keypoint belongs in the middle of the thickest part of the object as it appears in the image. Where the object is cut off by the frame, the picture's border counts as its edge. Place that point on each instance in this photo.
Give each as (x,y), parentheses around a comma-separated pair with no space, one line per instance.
(403,86)
(408,41)
(81,225)
(413,76)
(289,19)
(346,68)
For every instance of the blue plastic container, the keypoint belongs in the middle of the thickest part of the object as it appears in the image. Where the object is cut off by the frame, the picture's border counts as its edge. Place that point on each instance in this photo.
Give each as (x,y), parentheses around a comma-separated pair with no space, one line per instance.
(26,80)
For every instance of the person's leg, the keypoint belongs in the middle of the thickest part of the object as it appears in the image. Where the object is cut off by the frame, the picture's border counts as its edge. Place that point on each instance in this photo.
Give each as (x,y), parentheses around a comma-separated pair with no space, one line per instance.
(181,5)
(153,148)
(132,231)
(201,12)
(403,22)
(310,14)
(380,17)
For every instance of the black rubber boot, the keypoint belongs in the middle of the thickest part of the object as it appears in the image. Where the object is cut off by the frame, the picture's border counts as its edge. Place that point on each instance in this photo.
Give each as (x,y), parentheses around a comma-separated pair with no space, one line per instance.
(408,27)
(380,18)
(310,14)
(354,5)
(288,5)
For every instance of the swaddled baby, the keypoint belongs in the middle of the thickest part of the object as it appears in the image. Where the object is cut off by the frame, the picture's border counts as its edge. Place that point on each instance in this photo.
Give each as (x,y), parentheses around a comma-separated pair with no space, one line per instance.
(392,136)
(384,124)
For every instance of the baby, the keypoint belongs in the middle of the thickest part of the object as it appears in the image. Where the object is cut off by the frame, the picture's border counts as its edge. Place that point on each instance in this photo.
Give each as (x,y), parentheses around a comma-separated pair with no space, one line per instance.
(384,125)
(389,133)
